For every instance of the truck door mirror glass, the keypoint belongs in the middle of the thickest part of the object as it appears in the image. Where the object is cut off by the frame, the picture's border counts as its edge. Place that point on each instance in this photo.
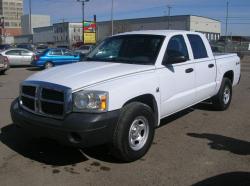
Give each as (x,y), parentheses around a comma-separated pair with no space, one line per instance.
(176,59)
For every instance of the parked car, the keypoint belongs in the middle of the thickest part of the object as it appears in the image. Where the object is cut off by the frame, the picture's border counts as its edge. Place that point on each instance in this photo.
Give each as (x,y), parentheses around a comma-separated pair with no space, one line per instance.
(63,46)
(18,56)
(4,64)
(40,49)
(4,47)
(130,82)
(54,57)
(30,47)
(84,49)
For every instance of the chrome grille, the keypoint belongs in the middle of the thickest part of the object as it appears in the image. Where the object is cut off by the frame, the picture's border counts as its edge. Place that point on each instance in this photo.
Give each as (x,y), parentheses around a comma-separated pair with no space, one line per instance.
(46,99)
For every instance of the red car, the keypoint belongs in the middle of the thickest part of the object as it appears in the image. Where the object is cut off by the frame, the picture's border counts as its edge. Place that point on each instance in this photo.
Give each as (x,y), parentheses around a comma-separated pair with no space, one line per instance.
(4,64)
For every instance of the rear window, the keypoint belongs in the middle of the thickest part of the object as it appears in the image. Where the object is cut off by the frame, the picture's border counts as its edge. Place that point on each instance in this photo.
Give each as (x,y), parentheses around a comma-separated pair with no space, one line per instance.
(198,47)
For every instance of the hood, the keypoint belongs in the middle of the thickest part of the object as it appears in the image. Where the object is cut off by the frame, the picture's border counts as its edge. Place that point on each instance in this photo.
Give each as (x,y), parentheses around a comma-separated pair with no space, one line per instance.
(84,74)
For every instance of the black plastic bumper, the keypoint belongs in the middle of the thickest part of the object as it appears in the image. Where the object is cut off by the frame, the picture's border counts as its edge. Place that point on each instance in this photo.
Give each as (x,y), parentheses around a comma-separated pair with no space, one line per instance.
(77,129)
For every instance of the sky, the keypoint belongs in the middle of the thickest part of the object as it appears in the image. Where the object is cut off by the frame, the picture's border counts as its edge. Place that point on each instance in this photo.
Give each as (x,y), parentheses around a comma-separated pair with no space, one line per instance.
(70,10)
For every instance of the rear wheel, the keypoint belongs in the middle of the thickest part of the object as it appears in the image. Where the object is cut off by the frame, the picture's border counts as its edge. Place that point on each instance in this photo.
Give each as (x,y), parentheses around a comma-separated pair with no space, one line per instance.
(48,65)
(2,72)
(223,99)
(134,133)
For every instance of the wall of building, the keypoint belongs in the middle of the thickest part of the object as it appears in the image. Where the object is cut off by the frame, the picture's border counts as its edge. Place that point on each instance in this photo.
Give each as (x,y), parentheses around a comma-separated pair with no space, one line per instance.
(23,39)
(211,28)
(36,21)
(11,10)
(186,22)
(153,23)
(75,33)
(43,35)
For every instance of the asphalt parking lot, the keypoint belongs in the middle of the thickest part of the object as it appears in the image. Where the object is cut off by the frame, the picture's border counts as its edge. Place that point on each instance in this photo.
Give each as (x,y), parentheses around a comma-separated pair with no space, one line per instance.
(198,146)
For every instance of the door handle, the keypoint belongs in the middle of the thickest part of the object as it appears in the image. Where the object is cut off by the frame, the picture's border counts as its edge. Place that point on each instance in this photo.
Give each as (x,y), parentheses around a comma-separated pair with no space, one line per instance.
(210,65)
(189,70)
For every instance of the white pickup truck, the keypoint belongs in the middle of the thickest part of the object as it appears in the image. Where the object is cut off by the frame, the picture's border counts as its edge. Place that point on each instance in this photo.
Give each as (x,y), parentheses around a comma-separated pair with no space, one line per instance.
(127,84)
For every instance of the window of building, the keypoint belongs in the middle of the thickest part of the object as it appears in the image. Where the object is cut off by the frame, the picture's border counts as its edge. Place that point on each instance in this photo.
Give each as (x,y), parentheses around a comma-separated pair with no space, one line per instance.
(198,47)
(7,24)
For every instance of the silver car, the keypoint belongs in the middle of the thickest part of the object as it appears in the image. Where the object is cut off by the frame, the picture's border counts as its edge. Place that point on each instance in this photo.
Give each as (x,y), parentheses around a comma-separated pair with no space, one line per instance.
(18,56)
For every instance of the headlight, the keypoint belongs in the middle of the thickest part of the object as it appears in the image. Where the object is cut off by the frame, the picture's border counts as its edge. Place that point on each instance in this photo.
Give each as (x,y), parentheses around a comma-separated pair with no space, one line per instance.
(90,101)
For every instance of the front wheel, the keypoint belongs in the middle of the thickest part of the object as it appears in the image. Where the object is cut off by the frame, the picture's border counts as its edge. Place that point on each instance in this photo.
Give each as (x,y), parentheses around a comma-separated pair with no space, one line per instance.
(134,132)
(223,99)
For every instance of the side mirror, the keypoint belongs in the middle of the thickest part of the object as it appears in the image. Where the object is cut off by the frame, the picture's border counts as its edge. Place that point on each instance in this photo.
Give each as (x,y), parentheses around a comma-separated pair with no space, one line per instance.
(175,59)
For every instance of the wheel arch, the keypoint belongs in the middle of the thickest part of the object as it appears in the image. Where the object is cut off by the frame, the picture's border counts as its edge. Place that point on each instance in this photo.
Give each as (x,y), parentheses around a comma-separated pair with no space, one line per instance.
(229,75)
(147,99)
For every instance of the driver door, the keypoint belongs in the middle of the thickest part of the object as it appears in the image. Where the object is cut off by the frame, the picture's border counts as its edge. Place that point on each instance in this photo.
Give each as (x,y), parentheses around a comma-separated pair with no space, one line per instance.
(177,77)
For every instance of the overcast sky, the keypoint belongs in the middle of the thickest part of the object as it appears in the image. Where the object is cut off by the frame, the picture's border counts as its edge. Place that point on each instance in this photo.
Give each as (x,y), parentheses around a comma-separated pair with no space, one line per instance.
(70,10)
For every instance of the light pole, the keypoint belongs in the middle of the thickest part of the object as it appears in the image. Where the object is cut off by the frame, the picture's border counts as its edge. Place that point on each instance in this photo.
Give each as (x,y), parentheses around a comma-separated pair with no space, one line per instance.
(112,18)
(30,17)
(169,14)
(83,3)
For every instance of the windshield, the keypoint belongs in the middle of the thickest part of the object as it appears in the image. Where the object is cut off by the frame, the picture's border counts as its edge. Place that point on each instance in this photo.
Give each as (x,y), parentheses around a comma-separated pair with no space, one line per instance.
(135,49)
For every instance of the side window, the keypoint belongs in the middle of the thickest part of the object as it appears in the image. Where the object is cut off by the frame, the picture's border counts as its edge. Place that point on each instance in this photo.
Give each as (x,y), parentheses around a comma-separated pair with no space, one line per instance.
(177,47)
(56,52)
(198,47)
(13,53)
(24,53)
(67,53)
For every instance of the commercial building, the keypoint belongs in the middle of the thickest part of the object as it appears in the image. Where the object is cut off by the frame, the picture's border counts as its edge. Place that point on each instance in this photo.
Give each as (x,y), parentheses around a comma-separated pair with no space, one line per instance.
(43,35)
(10,12)
(210,27)
(36,21)
(67,33)
(63,34)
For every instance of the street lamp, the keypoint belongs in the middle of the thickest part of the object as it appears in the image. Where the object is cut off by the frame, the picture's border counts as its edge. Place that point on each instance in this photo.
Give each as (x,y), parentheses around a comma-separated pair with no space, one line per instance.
(112,18)
(83,3)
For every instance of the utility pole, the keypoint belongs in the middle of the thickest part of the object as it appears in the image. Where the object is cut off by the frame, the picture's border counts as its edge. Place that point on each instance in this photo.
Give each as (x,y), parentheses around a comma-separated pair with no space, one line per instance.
(112,18)
(226,26)
(83,4)
(30,16)
(169,16)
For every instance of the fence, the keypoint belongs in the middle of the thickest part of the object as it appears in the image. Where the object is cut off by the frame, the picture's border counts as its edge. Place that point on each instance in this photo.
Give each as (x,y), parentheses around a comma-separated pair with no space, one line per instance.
(241,48)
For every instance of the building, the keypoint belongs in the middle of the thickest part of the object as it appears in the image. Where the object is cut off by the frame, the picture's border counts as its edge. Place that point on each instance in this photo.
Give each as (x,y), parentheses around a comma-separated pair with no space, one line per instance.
(63,34)
(43,35)
(11,11)
(210,27)
(36,21)
(23,39)
(67,33)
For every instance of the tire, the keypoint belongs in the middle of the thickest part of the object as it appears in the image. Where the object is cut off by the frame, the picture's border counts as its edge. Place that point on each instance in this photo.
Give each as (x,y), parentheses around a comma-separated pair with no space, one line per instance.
(2,72)
(126,146)
(222,100)
(48,65)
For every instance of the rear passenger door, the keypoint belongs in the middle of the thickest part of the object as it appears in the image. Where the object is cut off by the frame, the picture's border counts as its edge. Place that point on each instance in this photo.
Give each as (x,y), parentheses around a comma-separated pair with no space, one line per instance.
(205,67)
(70,57)
(26,57)
(177,79)
(56,56)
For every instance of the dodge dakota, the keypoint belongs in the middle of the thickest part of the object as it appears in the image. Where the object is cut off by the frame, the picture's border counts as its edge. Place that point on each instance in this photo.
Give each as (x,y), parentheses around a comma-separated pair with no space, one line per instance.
(126,85)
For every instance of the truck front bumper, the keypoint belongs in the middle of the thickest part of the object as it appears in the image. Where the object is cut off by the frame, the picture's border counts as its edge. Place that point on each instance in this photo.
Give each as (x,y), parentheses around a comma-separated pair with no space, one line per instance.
(76,129)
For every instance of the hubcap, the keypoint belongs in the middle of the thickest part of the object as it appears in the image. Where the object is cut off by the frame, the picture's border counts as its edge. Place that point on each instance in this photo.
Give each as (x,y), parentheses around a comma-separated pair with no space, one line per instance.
(226,95)
(48,65)
(138,133)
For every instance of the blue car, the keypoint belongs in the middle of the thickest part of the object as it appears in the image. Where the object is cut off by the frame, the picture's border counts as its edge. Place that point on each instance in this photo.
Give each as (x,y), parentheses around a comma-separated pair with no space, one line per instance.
(55,56)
